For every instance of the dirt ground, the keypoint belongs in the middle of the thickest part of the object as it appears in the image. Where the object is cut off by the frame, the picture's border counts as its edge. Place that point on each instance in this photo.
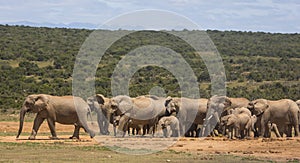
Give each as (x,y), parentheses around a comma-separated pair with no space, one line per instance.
(279,149)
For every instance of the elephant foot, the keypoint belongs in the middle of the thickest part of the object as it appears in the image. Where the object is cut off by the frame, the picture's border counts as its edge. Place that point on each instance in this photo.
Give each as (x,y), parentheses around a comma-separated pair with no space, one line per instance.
(53,137)
(74,137)
(92,134)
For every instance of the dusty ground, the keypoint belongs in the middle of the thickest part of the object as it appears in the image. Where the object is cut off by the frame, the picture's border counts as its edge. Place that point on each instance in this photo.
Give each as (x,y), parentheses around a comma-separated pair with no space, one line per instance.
(282,149)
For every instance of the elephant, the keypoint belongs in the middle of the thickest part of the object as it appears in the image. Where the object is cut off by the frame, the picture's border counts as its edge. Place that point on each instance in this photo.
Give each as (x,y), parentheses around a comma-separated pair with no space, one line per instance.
(251,124)
(69,110)
(142,110)
(239,110)
(284,113)
(226,104)
(100,105)
(219,106)
(188,111)
(238,123)
(171,121)
(298,103)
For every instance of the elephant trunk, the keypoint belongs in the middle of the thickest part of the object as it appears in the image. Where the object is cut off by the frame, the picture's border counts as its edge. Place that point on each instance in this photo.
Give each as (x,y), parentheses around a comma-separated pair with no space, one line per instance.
(22,115)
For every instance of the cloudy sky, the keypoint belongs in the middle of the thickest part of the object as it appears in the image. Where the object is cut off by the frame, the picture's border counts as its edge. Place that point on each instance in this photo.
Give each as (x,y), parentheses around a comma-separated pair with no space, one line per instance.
(247,15)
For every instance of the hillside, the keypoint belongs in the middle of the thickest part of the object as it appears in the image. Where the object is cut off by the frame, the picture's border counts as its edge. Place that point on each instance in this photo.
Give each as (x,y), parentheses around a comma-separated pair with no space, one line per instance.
(41,60)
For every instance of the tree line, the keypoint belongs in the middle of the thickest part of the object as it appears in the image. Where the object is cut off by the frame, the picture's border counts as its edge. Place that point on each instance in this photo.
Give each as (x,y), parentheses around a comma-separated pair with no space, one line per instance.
(41,60)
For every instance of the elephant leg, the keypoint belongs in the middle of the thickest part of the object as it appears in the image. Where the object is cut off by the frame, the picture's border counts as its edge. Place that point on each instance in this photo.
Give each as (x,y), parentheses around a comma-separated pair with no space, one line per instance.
(165,131)
(36,125)
(76,132)
(256,131)
(83,123)
(296,125)
(105,126)
(237,132)
(230,133)
(275,129)
(263,128)
(242,134)
(223,130)
(123,124)
(176,131)
(51,125)
(115,127)
(145,129)
(198,131)
(128,130)
(182,128)
(151,130)
(100,122)
(288,130)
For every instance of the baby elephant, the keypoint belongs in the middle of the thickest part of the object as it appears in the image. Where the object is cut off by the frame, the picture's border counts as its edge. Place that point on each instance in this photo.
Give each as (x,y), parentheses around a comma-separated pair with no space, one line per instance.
(171,121)
(237,124)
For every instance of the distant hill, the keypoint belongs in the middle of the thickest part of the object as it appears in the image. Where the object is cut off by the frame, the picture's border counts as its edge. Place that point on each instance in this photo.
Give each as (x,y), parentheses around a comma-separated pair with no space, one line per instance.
(75,25)
(41,60)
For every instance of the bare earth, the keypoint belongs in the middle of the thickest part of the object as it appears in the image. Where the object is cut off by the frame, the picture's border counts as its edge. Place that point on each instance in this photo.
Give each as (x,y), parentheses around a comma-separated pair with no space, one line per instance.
(279,149)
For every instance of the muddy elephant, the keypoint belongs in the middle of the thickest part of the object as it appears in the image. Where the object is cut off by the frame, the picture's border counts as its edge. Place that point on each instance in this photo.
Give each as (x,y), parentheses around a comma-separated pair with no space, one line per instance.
(219,106)
(188,111)
(67,110)
(283,113)
(171,121)
(100,105)
(142,110)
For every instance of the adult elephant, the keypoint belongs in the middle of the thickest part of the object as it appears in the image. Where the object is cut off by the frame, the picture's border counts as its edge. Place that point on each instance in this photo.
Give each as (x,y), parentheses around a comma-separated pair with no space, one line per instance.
(61,109)
(142,110)
(283,113)
(188,111)
(100,105)
(219,106)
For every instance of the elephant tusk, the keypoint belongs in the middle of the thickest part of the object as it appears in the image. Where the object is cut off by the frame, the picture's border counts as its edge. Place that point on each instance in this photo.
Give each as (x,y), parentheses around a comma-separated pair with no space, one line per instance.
(209,117)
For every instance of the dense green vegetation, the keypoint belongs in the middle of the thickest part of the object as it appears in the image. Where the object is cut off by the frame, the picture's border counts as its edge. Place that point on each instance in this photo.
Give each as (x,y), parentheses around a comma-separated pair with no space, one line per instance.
(41,60)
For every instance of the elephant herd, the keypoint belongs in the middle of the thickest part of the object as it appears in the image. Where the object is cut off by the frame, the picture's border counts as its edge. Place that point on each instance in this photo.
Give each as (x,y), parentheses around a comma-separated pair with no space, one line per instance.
(166,116)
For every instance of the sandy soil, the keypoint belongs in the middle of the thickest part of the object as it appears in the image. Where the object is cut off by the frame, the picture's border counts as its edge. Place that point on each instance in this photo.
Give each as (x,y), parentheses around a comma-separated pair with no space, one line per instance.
(280,149)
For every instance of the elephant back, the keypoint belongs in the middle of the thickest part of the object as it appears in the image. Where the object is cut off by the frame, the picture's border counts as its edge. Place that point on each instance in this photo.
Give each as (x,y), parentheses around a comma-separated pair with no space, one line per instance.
(239,102)
(142,102)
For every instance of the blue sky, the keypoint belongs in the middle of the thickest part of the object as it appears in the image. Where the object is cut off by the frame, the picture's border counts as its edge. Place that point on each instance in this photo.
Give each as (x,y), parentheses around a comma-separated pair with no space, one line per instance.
(248,15)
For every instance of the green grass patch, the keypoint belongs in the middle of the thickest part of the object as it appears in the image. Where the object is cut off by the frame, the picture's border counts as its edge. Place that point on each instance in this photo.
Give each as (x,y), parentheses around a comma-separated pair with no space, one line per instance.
(61,152)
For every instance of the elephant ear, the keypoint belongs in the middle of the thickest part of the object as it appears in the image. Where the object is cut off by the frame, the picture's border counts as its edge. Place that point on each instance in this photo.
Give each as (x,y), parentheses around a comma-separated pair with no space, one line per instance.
(40,103)
(177,104)
(168,100)
(262,104)
(125,104)
(227,102)
(100,99)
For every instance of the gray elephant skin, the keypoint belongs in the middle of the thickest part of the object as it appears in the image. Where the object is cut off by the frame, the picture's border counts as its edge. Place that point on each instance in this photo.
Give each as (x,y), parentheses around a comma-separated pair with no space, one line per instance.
(171,121)
(239,124)
(100,104)
(188,111)
(142,110)
(61,109)
(219,106)
(284,113)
